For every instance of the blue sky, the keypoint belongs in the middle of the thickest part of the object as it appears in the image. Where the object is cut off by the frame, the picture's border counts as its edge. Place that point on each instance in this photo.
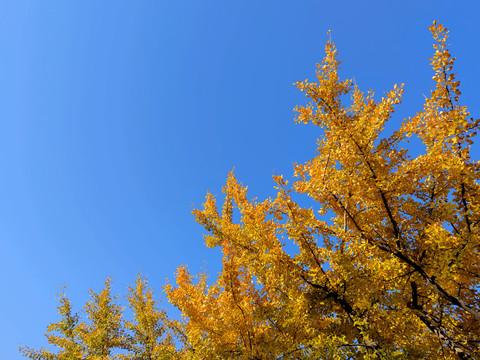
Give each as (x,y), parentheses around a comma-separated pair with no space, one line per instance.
(116,117)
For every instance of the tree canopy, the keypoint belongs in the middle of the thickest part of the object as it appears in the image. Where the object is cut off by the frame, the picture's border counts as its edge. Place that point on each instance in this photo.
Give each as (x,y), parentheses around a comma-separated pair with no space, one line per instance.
(386,263)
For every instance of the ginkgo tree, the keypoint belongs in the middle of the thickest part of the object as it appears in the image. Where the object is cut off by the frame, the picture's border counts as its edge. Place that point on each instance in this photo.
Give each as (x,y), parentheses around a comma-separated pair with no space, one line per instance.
(105,334)
(395,273)
(386,263)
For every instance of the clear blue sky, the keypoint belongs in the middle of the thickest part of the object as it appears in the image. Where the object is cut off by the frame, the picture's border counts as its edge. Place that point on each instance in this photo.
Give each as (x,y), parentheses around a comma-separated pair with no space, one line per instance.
(116,117)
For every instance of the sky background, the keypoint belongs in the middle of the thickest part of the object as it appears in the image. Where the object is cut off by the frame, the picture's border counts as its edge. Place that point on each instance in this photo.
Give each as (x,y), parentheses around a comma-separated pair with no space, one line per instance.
(117,116)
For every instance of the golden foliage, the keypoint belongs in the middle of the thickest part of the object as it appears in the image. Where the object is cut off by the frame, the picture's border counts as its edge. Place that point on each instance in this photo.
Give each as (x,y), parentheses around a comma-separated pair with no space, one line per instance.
(393,274)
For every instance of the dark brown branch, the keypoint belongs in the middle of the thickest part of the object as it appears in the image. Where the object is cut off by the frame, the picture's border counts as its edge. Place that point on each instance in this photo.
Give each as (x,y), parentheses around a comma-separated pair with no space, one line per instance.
(435,328)
(432,281)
